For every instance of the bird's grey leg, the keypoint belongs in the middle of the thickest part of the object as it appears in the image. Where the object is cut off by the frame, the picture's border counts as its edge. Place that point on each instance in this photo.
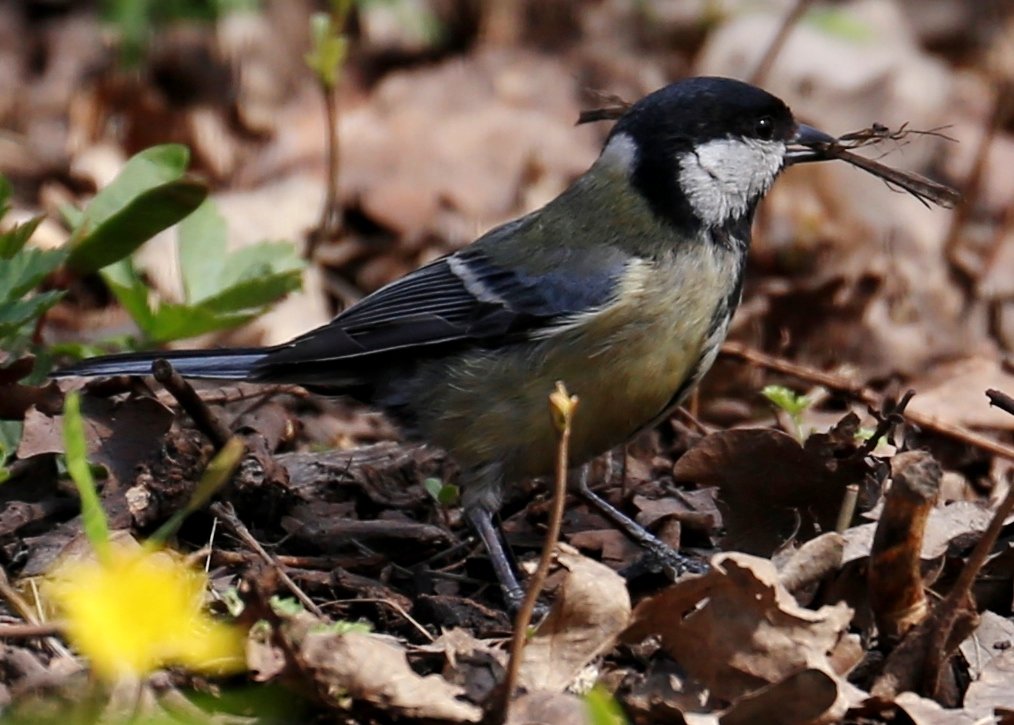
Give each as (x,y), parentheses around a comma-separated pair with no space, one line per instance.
(676,563)
(482,521)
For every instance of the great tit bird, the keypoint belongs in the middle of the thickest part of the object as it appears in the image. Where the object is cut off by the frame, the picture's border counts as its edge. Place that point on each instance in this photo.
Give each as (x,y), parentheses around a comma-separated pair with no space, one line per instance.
(622,287)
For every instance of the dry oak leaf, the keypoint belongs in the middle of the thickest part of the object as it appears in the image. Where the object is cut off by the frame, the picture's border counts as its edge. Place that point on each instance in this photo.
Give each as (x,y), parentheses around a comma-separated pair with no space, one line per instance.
(374,669)
(947,524)
(771,488)
(990,640)
(801,697)
(590,611)
(119,434)
(367,667)
(736,629)
(991,693)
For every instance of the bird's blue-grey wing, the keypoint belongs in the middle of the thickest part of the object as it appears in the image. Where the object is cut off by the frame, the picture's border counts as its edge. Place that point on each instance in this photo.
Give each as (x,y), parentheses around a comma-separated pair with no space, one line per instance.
(469,297)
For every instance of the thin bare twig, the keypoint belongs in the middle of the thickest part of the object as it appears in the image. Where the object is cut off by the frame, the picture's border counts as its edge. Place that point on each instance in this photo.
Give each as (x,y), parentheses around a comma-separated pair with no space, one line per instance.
(865,395)
(227,515)
(562,407)
(331,217)
(888,417)
(1000,399)
(28,631)
(878,133)
(393,605)
(950,609)
(17,602)
(204,418)
(927,191)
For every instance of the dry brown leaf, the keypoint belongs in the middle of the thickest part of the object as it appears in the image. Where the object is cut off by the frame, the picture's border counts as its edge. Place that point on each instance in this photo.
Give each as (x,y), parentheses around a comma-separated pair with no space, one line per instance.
(801,697)
(736,629)
(613,545)
(924,711)
(992,692)
(456,642)
(373,669)
(590,611)
(369,668)
(445,147)
(119,434)
(16,399)
(915,709)
(991,639)
(811,562)
(947,523)
(771,487)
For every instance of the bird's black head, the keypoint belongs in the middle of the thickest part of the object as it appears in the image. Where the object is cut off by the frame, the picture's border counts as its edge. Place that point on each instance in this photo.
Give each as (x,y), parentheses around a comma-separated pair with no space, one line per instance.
(703,151)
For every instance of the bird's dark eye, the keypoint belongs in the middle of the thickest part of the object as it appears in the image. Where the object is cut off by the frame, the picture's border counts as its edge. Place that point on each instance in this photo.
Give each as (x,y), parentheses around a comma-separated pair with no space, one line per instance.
(764,128)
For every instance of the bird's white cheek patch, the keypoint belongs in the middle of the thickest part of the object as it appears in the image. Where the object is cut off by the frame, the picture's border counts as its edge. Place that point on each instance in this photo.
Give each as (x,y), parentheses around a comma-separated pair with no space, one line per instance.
(721,178)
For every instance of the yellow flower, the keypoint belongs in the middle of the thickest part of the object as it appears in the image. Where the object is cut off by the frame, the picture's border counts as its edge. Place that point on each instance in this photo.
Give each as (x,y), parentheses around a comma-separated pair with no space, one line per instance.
(136,610)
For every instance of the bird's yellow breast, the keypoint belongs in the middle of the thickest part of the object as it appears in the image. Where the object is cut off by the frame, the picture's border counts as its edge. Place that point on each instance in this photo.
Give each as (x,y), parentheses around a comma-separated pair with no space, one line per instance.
(625,361)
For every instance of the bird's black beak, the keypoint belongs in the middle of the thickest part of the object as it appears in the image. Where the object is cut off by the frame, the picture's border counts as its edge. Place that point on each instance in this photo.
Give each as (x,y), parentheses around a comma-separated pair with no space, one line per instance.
(808,144)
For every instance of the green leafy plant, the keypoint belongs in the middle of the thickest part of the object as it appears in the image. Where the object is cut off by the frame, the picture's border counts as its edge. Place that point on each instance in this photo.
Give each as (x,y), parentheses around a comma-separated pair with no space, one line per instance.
(791,402)
(329,47)
(221,289)
(94,522)
(149,195)
(602,708)
(22,269)
(445,494)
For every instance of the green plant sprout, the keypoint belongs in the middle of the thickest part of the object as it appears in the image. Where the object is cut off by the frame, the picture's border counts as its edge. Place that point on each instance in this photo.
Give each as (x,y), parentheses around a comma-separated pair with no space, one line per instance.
(792,403)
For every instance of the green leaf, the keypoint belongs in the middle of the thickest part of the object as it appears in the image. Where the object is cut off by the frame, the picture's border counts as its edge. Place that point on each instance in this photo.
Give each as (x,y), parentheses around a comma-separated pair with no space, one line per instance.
(137,221)
(6,190)
(23,271)
(788,400)
(444,494)
(202,243)
(244,281)
(221,289)
(13,240)
(71,350)
(17,313)
(177,322)
(840,23)
(254,294)
(71,215)
(285,606)
(236,287)
(144,171)
(96,527)
(342,626)
(328,49)
(602,708)
(131,291)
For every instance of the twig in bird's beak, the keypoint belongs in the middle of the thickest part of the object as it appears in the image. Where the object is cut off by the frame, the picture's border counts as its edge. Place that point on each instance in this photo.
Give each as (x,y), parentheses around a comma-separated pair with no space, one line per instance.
(813,145)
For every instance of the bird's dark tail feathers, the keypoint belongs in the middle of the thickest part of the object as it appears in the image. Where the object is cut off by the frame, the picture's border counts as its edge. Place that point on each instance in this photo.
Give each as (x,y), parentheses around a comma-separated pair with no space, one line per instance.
(234,364)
